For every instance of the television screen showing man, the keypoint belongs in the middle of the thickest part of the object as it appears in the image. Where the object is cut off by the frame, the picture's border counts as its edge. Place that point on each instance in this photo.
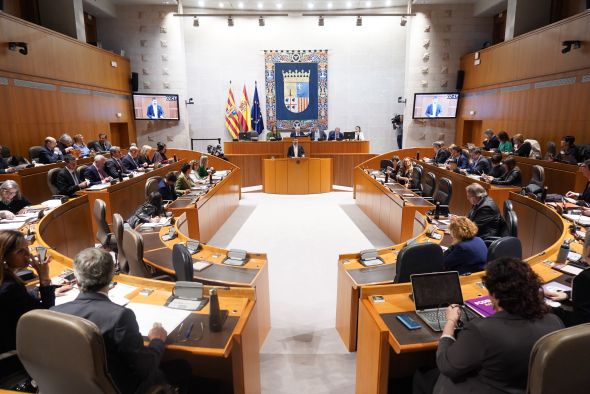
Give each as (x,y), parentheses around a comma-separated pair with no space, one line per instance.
(434,109)
(155,110)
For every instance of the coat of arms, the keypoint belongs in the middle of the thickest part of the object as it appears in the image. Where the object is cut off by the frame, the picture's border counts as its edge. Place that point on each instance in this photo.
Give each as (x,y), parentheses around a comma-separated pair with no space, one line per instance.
(296,88)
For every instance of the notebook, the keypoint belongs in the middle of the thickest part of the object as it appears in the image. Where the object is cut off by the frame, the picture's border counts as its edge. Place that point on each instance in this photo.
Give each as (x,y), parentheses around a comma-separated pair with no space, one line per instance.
(481,305)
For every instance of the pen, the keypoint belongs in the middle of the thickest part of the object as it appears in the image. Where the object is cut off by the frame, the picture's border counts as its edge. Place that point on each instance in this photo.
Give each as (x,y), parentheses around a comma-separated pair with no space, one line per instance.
(189,331)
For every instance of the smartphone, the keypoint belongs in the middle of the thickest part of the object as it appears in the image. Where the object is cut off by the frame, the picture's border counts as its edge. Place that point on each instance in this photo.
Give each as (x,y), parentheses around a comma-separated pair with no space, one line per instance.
(42,253)
(171,234)
(407,321)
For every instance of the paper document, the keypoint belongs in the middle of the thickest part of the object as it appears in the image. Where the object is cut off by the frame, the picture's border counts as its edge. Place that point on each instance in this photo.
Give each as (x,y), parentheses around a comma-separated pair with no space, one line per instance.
(73,294)
(99,186)
(51,203)
(579,219)
(121,290)
(147,315)
(11,226)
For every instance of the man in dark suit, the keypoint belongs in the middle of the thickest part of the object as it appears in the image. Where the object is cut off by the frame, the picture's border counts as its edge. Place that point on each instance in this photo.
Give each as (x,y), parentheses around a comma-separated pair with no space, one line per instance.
(440,155)
(479,165)
(5,168)
(490,140)
(166,187)
(155,110)
(335,135)
(133,366)
(50,153)
(295,150)
(95,173)
(102,145)
(67,181)
(485,213)
(65,143)
(512,177)
(434,109)
(130,159)
(318,135)
(114,167)
(297,133)
(459,156)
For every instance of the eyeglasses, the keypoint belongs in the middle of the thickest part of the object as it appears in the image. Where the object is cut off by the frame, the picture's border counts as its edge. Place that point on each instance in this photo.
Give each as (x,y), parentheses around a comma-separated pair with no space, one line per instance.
(9,192)
(185,332)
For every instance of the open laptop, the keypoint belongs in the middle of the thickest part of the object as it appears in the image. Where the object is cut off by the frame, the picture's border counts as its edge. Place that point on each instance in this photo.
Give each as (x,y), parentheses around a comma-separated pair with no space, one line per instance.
(433,293)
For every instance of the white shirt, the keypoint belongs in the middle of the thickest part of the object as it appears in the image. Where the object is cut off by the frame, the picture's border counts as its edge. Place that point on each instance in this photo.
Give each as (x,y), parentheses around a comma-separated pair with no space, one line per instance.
(359,136)
(74,176)
(296,150)
(155,109)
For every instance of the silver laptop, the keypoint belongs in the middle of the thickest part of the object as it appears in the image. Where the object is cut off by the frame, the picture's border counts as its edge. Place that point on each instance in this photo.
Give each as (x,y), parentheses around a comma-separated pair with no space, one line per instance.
(433,293)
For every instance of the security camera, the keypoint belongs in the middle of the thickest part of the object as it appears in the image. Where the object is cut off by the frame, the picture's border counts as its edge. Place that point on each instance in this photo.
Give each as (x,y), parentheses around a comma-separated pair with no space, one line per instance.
(569,45)
(24,50)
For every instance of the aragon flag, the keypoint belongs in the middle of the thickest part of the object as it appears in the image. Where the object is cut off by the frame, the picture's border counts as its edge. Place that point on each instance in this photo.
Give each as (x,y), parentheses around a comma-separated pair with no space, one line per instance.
(231,115)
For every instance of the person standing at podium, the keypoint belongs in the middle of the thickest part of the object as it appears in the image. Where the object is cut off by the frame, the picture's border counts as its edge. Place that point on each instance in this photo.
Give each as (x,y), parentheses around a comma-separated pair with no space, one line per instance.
(295,150)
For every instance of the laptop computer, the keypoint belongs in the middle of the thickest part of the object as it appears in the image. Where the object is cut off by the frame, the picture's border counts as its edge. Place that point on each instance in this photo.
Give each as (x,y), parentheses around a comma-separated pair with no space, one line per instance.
(433,293)
(244,136)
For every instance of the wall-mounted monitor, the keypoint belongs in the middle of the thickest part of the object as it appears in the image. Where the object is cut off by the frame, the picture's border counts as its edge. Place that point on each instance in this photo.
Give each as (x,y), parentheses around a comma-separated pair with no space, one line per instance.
(435,105)
(155,106)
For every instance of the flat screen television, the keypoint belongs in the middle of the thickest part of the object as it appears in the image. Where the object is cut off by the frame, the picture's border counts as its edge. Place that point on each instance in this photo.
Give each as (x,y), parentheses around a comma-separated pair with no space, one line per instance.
(155,106)
(435,105)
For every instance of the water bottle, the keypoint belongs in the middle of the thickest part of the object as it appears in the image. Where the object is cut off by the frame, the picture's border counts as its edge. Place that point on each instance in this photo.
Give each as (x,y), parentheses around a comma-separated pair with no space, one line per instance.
(437,211)
(175,159)
(215,323)
(418,156)
(120,176)
(564,250)
(544,195)
(386,176)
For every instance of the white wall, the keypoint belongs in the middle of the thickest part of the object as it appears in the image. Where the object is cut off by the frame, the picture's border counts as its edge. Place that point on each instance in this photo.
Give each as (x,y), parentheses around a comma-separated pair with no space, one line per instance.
(365,68)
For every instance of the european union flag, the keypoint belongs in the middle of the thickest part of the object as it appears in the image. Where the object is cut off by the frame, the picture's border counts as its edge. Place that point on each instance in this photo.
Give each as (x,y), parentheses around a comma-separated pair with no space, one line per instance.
(256,114)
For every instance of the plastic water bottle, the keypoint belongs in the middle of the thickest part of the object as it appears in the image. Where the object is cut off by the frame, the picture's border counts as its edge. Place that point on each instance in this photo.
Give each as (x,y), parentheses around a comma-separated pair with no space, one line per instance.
(564,250)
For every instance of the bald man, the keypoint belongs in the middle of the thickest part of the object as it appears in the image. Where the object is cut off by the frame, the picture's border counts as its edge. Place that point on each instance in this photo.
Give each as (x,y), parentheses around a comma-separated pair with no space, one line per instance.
(50,152)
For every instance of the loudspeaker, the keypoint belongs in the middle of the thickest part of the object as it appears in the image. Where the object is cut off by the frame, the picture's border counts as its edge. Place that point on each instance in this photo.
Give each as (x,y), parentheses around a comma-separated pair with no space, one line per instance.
(134,82)
(460,79)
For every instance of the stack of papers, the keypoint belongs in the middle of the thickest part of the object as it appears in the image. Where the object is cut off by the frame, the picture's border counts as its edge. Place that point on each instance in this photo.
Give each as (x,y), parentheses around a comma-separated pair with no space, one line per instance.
(99,186)
(147,315)
(579,219)
(11,225)
(51,203)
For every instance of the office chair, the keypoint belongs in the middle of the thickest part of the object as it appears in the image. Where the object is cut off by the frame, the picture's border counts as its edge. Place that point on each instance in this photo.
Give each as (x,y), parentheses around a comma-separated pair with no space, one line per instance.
(42,335)
(151,185)
(557,362)
(384,164)
(52,180)
(182,262)
(505,247)
(417,179)
(133,251)
(80,171)
(538,176)
(118,228)
(428,184)
(443,192)
(511,222)
(34,152)
(103,234)
(418,259)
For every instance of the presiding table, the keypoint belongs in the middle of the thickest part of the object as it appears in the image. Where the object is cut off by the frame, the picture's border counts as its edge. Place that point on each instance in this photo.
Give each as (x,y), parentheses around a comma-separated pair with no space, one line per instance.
(297,176)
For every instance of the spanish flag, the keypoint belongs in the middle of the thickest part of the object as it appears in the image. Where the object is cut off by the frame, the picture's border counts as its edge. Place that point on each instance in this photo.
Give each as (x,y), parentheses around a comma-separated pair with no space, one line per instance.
(231,115)
(244,111)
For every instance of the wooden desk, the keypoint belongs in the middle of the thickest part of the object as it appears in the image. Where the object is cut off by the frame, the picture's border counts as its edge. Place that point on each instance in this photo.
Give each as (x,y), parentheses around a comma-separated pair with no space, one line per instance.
(379,345)
(297,176)
(279,148)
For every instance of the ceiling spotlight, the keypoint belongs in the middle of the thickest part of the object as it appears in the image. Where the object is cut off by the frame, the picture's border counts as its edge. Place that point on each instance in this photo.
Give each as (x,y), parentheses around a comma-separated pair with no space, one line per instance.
(403,21)
(329,5)
(240,5)
(321,21)
(348,4)
(201,3)
(368,4)
(279,5)
(388,3)
(196,22)
(359,21)
(230,21)
(310,5)
(261,21)
(259,5)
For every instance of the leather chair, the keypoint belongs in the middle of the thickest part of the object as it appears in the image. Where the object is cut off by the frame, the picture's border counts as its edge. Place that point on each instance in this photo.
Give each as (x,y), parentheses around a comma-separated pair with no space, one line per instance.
(133,251)
(428,184)
(443,192)
(182,262)
(417,178)
(418,259)
(538,176)
(151,185)
(104,235)
(51,180)
(511,223)
(385,163)
(42,335)
(558,362)
(505,247)
(80,170)
(118,228)
(34,152)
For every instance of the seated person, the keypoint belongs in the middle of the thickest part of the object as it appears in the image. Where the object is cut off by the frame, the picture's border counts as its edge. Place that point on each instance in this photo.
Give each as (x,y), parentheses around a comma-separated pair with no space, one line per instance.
(297,133)
(5,168)
(80,145)
(405,174)
(114,166)
(67,180)
(497,170)
(184,182)
(453,166)
(550,151)
(485,213)
(393,171)
(479,164)
(491,355)
(102,145)
(160,154)
(143,160)
(468,253)
(568,152)
(490,141)
(335,135)
(458,154)
(358,134)
(13,162)
(50,152)
(11,199)
(166,187)
(129,161)
(273,134)
(65,144)
(583,197)
(317,134)
(95,174)
(512,177)
(295,150)
(522,148)
(148,212)
(200,168)
(505,143)
(15,299)
(133,366)
(441,155)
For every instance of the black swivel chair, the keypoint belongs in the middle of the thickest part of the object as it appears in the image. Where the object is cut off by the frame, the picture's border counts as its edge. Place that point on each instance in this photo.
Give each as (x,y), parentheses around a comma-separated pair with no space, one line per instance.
(52,180)
(418,259)
(384,164)
(505,247)
(428,184)
(103,234)
(417,179)
(34,152)
(511,222)
(443,192)
(182,262)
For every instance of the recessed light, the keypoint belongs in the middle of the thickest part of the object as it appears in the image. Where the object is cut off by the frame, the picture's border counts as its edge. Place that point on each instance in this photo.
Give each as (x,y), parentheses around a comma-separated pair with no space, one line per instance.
(329,5)
(201,3)
(348,4)
(367,4)
(220,5)
(259,5)
(310,5)
(240,5)
(279,5)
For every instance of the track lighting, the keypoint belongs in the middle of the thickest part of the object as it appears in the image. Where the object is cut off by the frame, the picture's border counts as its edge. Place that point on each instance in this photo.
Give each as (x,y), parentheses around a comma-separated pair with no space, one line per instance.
(321,21)
(230,21)
(359,21)
(261,21)
(403,21)
(196,22)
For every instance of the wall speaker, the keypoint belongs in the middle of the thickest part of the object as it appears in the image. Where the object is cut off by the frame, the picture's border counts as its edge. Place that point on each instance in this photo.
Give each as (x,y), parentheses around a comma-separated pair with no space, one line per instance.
(460,79)
(134,82)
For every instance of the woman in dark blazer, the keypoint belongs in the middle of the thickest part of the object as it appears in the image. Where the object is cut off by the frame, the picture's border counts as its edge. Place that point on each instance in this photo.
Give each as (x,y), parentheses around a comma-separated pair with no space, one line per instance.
(11,198)
(468,253)
(512,177)
(160,155)
(150,211)
(491,355)
(404,175)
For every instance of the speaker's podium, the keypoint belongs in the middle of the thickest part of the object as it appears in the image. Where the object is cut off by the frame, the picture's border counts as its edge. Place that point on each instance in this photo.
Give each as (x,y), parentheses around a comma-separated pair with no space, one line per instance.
(297,175)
